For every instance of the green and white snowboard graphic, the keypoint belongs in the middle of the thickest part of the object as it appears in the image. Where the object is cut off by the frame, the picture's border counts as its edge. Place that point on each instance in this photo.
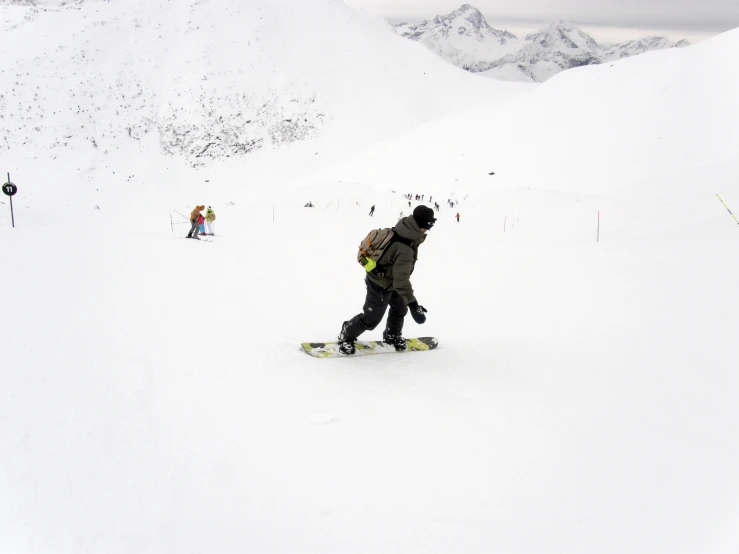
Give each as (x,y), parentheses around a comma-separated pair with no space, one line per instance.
(369,348)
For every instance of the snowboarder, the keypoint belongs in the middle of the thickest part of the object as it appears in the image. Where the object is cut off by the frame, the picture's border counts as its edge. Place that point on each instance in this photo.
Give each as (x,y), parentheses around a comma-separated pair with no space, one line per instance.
(457,217)
(194,225)
(389,284)
(372,211)
(210,222)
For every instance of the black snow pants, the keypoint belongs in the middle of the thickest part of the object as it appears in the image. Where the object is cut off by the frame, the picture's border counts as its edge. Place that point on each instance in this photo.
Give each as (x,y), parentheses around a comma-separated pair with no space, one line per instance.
(374,309)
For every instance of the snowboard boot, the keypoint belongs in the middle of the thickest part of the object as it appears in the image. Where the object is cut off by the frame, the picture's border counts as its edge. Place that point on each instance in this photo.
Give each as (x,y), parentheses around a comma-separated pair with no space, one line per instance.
(346,343)
(396,340)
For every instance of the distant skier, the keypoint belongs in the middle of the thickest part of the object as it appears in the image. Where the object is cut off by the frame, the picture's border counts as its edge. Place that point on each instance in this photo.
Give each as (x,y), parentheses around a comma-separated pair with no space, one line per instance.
(409,203)
(210,222)
(457,217)
(389,284)
(194,225)
(372,211)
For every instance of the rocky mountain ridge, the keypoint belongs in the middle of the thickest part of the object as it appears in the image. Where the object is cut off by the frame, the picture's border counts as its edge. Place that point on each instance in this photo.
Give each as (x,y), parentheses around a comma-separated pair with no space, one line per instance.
(464,38)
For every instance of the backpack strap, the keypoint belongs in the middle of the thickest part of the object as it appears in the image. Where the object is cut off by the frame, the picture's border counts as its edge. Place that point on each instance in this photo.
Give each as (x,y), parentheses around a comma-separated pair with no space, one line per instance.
(407,242)
(395,238)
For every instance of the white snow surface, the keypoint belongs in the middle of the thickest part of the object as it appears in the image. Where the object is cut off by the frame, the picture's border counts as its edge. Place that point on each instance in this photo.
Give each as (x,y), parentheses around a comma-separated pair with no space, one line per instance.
(582,399)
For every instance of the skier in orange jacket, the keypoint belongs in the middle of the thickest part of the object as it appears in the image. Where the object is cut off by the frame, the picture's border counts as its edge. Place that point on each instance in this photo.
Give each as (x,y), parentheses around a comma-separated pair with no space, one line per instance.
(195,226)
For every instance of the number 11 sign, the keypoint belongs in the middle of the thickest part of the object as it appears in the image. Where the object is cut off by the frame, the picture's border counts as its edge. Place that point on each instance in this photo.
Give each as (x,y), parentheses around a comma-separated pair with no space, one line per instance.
(10,189)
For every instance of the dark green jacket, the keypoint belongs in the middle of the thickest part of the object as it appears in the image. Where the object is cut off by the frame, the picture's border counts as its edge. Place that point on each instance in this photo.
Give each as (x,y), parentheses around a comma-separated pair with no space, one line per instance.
(394,269)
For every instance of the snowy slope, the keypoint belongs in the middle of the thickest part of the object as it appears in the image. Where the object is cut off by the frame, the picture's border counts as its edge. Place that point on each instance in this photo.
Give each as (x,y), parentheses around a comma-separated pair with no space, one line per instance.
(465,39)
(197,82)
(591,130)
(155,392)
(582,398)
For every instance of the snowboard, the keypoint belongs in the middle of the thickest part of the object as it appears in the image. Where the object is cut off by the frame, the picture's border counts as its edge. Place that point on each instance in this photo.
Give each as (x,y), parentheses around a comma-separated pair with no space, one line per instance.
(368,348)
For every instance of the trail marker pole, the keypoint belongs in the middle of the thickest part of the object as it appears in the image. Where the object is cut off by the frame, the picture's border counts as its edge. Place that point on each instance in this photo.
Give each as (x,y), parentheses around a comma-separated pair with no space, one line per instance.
(597,236)
(724,203)
(10,189)
(337,204)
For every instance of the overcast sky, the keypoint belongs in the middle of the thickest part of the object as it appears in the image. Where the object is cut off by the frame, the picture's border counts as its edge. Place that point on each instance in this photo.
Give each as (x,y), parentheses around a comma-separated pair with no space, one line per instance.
(607,20)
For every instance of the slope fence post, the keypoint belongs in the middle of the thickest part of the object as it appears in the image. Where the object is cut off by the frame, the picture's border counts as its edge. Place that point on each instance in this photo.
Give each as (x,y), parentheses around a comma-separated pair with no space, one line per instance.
(722,201)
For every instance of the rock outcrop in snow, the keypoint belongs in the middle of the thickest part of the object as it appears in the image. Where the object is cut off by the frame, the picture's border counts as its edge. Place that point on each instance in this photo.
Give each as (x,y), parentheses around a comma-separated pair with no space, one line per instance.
(465,39)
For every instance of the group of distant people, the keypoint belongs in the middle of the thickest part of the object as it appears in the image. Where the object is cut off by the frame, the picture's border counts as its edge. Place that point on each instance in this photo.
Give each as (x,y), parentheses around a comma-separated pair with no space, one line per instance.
(420,198)
(409,197)
(202,224)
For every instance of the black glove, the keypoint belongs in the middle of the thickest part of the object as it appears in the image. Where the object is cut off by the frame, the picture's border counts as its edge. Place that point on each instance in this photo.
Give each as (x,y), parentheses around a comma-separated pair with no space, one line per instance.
(417,312)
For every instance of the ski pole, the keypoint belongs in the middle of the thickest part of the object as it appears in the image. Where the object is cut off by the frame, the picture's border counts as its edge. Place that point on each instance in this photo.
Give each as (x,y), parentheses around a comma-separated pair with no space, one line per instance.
(727,209)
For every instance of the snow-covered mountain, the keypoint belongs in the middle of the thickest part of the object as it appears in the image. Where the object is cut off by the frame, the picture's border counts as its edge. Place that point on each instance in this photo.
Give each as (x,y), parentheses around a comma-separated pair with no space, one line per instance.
(465,39)
(211,79)
(462,37)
